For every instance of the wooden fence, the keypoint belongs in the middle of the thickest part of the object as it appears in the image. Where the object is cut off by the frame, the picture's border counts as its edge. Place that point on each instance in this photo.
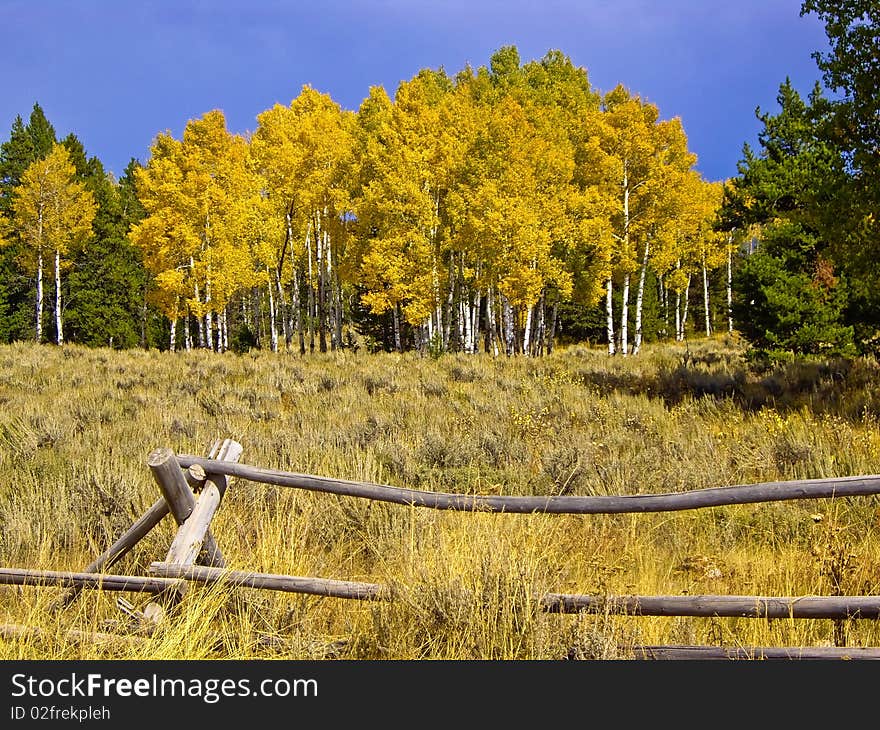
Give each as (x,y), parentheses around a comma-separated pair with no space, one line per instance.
(192,489)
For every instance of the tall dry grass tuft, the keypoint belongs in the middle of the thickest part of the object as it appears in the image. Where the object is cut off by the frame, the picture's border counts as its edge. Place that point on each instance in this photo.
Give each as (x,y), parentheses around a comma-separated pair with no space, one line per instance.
(77,425)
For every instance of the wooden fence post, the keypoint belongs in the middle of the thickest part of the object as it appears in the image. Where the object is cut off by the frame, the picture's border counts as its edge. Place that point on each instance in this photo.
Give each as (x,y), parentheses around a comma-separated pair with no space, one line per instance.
(131,537)
(193,514)
(192,533)
(176,491)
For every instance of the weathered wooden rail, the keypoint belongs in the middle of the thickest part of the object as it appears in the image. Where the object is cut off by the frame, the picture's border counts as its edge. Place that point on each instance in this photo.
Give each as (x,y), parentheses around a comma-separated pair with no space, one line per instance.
(193,487)
(713,497)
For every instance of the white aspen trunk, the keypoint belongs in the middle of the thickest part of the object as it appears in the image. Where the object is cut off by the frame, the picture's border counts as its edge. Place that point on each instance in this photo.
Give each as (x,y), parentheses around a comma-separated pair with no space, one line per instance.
(39,304)
(279,311)
(398,346)
(640,298)
(679,330)
(624,318)
(609,314)
(730,283)
(39,328)
(257,315)
(684,314)
(340,309)
(273,332)
(706,299)
(467,320)
(678,336)
(475,322)
(59,333)
(172,345)
(334,325)
(624,310)
(295,296)
(475,315)
(336,311)
(320,244)
(330,291)
(311,303)
(507,317)
(209,318)
(281,308)
(296,305)
(490,321)
(527,332)
(322,289)
(435,272)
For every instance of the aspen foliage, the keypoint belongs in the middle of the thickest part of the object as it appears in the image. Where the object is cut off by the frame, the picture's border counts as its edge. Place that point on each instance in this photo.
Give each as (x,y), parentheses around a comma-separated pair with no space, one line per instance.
(462,211)
(197,238)
(53,214)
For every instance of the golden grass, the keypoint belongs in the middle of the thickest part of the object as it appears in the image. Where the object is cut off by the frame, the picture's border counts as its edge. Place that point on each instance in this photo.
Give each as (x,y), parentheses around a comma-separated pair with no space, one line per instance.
(77,425)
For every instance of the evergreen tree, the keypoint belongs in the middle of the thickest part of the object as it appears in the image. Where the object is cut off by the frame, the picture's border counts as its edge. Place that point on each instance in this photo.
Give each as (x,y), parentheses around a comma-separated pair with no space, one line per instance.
(105,288)
(788,295)
(851,69)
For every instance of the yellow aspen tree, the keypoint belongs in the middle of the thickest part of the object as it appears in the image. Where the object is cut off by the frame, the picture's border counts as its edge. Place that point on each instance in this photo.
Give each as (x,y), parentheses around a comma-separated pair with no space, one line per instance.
(462,116)
(273,154)
(264,229)
(672,166)
(681,248)
(209,154)
(195,193)
(734,238)
(304,152)
(324,147)
(404,180)
(53,212)
(520,181)
(635,159)
(666,256)
(620,160)
(557,86)
(713,246)
(237,232)
(396,217)
(165,235)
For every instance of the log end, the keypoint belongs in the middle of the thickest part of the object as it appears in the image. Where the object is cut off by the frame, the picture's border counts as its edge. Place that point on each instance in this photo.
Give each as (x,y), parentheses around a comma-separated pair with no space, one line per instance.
(195,476)
(160,456)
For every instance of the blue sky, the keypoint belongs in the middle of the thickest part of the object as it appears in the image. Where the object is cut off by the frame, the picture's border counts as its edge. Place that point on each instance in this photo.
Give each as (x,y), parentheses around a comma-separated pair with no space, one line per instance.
(117,72)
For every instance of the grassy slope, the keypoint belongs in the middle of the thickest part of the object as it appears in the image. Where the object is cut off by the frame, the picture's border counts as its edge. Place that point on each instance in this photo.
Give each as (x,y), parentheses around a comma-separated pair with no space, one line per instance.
(77,425)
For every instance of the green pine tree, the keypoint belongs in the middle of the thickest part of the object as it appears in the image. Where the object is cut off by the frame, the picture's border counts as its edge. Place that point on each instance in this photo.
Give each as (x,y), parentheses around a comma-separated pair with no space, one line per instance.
(105,287)
(789,295)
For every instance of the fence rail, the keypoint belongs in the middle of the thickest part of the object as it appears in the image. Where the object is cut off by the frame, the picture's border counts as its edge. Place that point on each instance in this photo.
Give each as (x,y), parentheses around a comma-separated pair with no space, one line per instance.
(599,504)
(192,488)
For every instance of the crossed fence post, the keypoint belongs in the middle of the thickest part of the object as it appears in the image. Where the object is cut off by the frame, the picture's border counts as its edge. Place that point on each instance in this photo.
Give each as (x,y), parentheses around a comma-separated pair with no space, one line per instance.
(192,498)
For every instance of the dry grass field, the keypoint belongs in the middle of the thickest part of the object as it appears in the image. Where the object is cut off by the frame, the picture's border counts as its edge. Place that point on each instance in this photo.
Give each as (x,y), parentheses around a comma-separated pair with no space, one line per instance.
(77,426)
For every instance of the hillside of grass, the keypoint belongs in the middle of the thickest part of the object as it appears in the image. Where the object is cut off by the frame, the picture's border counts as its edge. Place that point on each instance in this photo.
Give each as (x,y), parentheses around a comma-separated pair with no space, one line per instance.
(77,426)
